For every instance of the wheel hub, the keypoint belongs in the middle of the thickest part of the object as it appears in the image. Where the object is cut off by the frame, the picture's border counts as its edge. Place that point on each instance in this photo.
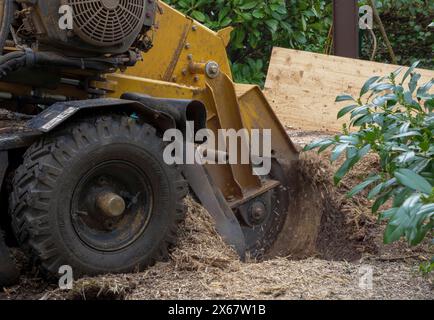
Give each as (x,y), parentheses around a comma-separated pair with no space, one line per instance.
(258,212)
(112,205)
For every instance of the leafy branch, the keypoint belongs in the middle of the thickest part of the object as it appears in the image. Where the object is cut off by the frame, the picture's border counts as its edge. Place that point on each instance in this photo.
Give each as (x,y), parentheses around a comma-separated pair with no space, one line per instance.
(395,120)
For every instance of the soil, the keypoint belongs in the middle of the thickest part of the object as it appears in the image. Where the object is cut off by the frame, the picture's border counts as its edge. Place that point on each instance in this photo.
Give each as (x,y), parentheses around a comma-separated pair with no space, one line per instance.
(328,245)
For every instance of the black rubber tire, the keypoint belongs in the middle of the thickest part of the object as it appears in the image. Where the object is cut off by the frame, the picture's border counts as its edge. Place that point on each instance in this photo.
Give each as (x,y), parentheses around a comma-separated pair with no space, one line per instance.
(8,272)
(42,188)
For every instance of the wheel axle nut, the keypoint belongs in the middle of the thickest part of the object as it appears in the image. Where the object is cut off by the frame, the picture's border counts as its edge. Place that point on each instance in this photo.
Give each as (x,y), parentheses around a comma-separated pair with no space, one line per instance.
(212,69)
(258,211)
(111,204)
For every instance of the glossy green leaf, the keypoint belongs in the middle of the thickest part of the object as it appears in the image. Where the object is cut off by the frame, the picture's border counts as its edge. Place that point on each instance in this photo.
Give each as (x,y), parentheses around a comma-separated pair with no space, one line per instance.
(367,85)
(356,190)
(344,97)
(413,180)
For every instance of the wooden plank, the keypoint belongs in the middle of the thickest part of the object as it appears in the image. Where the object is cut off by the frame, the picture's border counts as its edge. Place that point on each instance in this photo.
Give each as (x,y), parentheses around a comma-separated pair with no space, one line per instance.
(302,86)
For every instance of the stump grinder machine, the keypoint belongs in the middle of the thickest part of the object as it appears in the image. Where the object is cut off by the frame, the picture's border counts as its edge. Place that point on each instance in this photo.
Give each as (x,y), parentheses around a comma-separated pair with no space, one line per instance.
(84,105)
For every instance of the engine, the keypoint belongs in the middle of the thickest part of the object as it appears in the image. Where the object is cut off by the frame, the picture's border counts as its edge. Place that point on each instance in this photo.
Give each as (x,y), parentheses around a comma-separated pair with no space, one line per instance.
(55,49)
(86,27)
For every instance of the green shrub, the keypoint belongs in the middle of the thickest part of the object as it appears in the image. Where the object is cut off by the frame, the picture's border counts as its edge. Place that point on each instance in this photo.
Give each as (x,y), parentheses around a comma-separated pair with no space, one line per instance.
(394,120)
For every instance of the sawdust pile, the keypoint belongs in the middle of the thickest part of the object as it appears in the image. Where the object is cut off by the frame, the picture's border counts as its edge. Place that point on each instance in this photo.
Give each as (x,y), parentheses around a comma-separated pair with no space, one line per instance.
(347,224)
(200,246)
(322,221)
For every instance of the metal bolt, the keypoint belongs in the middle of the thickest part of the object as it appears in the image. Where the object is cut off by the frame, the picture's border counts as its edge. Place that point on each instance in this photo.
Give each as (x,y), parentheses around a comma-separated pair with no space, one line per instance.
(102,181)
(258,211)
(82,213)
(230,198)
(111,204)
(212,69)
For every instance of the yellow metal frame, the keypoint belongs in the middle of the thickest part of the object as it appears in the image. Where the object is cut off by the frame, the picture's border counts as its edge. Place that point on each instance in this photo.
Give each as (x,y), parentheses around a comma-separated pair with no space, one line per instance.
(166,71)
(175,68)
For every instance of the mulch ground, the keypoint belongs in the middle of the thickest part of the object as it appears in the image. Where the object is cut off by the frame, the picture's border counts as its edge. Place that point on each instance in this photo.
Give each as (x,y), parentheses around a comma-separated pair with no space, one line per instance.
(343,243)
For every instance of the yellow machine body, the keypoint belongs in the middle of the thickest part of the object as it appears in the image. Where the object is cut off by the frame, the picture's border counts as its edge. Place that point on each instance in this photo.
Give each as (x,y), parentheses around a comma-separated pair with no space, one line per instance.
(175,68)
(41,90)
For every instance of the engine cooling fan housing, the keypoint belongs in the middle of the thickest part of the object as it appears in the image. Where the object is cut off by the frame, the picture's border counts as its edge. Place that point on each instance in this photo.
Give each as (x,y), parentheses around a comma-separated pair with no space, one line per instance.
(107,22)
